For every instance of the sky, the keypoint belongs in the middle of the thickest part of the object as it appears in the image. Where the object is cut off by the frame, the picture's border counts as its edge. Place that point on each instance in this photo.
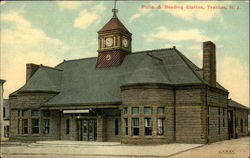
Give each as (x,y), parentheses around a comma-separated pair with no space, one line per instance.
(47,32)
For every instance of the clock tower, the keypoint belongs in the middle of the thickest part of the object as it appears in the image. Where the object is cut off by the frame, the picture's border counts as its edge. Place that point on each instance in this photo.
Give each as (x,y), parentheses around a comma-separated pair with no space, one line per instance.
(114,43)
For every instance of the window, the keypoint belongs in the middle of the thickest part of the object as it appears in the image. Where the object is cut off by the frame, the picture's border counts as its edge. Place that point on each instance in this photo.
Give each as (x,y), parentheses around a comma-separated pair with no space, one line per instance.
(160,110)
(116,126)
(241,125)
(25,113)
(223,122)
(4,112)
(223,111)
(67,126)
(245,122)
(24,126)
(208,126)
(34,113)
(135,126)
(236,122)
(135,110)
(6,131)
(219,111)
(148,126)
(18,113)
(46,126)
(160,126)
(18,126)
(125,110)
(147,110)
(35,126)
(219,125)
(46,113)
(126,125)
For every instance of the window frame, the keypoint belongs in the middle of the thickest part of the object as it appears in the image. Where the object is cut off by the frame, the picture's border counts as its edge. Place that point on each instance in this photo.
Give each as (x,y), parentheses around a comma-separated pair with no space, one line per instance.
(25,126)
(36,127)
(133,126)
(148,112)
(160,127)
(126,125)
(67,126)
(132,110)
(46,127)
(116,126)
(35,113)
(163,110)
(148,126)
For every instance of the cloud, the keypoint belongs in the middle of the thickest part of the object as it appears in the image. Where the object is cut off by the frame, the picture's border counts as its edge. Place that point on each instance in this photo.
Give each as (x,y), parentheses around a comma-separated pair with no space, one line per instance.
(235,78)
(171,45)
(137,15)
(164,33)
(185,14)
(70,5)
(86,18)
(22,43)
(195,47)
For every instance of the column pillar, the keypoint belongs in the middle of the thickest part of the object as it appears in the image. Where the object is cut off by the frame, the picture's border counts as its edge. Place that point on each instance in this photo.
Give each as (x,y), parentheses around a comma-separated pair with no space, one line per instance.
(101,128)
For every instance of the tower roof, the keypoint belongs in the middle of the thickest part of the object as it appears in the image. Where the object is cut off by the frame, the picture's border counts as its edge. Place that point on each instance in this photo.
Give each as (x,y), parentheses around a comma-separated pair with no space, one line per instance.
(114,24)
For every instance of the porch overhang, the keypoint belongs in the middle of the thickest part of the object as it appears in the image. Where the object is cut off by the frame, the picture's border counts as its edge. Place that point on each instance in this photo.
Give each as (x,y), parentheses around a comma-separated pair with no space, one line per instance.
(76,111)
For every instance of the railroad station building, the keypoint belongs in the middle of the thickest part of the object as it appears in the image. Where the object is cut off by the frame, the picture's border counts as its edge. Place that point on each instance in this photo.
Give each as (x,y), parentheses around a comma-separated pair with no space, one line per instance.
(151,96)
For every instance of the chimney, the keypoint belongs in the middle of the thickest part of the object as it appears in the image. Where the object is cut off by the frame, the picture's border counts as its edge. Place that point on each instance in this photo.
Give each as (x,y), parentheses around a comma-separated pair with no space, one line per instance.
(30,70)
(209,62)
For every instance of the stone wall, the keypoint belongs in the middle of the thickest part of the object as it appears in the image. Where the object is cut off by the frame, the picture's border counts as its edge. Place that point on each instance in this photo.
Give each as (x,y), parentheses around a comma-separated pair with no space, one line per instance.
(241,115)
(152,97)
(217,129)
(73,133)
(110,116)
(189,104)
(216,112)
(147,96)
(28,101)
(188,124)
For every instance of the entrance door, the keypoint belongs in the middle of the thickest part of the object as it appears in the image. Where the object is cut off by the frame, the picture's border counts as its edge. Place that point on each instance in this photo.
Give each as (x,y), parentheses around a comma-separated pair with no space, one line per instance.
(87,129)
(92,130)
(230,124)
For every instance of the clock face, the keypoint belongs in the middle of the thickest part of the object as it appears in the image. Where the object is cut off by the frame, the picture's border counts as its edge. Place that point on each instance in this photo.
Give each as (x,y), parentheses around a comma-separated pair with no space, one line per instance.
(125,42)
(109,41)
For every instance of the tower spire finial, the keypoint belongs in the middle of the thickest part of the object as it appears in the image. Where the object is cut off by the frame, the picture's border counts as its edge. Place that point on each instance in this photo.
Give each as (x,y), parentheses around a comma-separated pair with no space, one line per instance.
(114,10)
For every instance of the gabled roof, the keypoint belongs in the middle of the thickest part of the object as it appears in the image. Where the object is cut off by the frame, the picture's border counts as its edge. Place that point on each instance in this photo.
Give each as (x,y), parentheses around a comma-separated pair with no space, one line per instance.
(45,79)
(83,83)
(2,81)
(114,24)
(234,104)
(79,82)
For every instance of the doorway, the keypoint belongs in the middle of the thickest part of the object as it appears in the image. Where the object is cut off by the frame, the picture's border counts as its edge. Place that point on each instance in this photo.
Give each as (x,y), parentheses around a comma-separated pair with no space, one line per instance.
(87,129)
(230,124)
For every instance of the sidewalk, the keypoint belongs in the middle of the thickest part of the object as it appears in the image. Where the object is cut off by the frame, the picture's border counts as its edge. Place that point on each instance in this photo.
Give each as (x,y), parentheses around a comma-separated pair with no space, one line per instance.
(89,149)
(235,148)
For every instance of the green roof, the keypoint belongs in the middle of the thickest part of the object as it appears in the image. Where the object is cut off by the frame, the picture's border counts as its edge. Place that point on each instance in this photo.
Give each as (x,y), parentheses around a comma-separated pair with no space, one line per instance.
(80,82)
(45,79)
(234,104)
